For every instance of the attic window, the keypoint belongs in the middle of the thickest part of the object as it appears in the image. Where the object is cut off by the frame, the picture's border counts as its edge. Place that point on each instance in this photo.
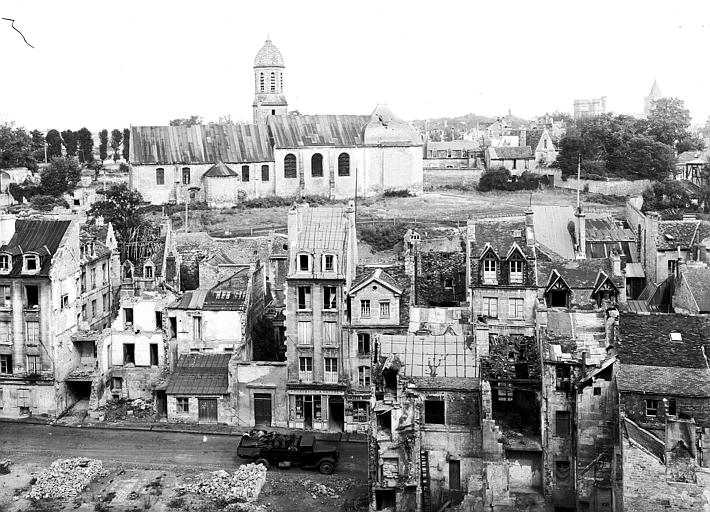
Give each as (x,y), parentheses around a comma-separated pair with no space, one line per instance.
(676,336)
(517,233)
(5,261)
(31,263)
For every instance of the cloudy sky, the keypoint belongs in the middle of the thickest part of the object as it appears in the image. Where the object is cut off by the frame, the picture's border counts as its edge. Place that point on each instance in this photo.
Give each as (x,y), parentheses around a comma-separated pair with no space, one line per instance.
(112,64)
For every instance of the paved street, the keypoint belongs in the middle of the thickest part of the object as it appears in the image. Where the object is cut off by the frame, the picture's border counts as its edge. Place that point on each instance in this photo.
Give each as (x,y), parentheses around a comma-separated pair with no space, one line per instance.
(144,449)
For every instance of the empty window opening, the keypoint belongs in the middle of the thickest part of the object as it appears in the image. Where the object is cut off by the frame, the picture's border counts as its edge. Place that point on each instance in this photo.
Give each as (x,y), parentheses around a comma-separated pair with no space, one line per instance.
(304,262)
(158,320)
(330,297)
(597,391)
(562,423)
(672,407)
(363,343)
(389,378)
(304,297)
(5,363)
(31,263)
(562,471)
(173,327)
(32,296)
(385,499)
(128,316)
(154,354)
(434,412)
(562,377)
(454,474)
(197,327)
(129,353)
(384,420)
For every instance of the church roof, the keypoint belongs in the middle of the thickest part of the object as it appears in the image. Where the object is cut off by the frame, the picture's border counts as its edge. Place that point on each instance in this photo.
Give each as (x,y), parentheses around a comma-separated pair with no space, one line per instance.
(269,56)
(385,128)
(292,131)
(219,170)
(200,144)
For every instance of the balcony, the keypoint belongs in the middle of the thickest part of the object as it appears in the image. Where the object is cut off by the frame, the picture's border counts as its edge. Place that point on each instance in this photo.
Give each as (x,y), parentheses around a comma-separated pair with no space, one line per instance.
(330,377)
(305,376)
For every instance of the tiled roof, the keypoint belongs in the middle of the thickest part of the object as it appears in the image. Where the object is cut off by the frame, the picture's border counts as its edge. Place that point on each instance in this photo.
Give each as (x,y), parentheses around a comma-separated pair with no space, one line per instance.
(645,340)
(200,374)
(200,144)
(500,237)
(510,153)
(698,280)
(683,233)
(663,380)
(220,170)
(376,274)
(577,273)
(39,236)
(689,156)
(290,131)
(322,228)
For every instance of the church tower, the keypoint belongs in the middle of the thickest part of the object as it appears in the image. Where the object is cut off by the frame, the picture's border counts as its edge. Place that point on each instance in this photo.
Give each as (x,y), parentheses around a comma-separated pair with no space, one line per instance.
(269,96)
(654,95)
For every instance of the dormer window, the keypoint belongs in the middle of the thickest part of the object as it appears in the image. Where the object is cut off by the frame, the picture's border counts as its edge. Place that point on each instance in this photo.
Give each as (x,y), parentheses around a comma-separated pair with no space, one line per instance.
(5,263)
(30,263)
(516,271)
(490,267)
(304,262)
(328,263)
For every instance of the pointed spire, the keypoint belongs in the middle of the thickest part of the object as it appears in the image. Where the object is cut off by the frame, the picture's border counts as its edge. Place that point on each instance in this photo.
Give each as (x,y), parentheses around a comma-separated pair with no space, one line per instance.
(655,90)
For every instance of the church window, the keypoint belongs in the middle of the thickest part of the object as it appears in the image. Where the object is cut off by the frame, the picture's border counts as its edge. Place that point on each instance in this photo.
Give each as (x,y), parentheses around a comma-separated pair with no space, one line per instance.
(261,82)
(317,165)
(273,82)
(290,166)
(185,175)
(245,173)
(160,176)
(344,164)
(264,173)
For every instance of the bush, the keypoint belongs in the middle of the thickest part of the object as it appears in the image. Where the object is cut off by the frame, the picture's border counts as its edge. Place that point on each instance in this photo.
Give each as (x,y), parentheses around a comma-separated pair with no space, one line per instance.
(46,203)
(397,193)
(382,237)
(123,167)
(497,178)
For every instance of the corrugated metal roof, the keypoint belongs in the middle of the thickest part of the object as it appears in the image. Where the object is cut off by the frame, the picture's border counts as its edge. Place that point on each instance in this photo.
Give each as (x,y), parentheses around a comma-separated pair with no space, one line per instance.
(200,374)
(40,236)
(200,144)
(322,228)
(289,131)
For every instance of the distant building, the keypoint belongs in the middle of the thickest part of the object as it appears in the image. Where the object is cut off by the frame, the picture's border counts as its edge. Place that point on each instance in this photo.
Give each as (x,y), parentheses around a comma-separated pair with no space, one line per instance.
(589,107)
(653,96)
(455,154)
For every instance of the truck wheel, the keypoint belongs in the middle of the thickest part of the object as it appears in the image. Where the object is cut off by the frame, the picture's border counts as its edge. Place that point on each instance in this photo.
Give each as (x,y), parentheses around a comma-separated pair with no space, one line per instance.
(326,467)
(263,462)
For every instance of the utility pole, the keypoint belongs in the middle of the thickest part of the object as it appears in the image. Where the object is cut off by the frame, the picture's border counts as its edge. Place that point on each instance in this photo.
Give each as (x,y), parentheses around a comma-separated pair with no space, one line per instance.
(579,174)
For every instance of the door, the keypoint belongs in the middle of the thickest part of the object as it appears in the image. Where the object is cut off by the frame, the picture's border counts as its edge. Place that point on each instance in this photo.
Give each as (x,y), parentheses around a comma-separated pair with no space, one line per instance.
(207,410)
(337,413)
(161,403)
(308,411)
(262,409)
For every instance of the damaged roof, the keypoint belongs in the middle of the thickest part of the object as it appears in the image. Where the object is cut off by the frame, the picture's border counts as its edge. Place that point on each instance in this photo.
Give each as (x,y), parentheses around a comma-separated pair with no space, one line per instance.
(42,237)
(200,374)
(431,356)
(681,233)
(292,131)
(227,295)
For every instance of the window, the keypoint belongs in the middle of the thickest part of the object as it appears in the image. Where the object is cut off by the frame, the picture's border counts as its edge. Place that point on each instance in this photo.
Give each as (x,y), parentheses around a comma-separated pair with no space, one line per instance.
(516,272)
(5,363)
(183,404)
(185,175)
(434,412)
(330,333)
(5,296)
(197,327)
(129,353)
(671,407)
(117,384)
(31,263)
(5,332)
(454,474)
(385,309)
(343,164)
(562,377)
(651,408)
(154,354)
(363,376)
(305,333)
(304,263)
(290,166)
(148,271)
(158,320)
(515,308)
(449,283)
(363,343)
(94,311)
(489,271)
(330,297)
(5,263)
(273,82)
(264,173)
(64,304)
(317,166)
(128,316)
(261,82)
(33,366)
(304,297)
(671,267)
(328,263)
(505,392)
(31,297)
(361,411)
(365,308)
(597,391)
(245,173)
(331,370)
(562,471)
(490,307)
(562,423)
(160,176)
(305,369)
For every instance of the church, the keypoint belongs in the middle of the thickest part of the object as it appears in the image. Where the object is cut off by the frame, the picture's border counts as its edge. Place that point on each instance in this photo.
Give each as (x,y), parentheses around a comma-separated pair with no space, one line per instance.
(280,154)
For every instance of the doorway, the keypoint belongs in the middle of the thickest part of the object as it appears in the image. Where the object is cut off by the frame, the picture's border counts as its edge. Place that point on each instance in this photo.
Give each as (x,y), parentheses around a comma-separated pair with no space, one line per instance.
(262,409)
(337,413)
(308,411)
(207,410)
(161,404)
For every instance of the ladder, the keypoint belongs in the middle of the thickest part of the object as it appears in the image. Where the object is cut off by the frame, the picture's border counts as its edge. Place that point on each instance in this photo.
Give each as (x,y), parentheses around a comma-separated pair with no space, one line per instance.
(424,474)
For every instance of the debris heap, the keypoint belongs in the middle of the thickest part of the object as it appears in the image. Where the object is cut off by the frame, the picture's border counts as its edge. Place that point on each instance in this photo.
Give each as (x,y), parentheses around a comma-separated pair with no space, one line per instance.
(244,485)
(65,478)
(319,490)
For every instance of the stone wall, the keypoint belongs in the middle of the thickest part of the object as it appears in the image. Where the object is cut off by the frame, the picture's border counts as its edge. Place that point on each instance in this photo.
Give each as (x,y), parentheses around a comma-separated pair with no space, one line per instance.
(225,412)
(613,188)
(634,406)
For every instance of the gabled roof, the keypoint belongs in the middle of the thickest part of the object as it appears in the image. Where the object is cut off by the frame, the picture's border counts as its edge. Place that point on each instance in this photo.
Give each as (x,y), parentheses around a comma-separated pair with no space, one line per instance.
(578,273)
(322,228)
(510,153)
(42,237)
(200,374)
(698,281)
(663,380)
(220,170)
(683,233)
(378,275)
(500,237)
(292,131)
(200,144)
(386,129)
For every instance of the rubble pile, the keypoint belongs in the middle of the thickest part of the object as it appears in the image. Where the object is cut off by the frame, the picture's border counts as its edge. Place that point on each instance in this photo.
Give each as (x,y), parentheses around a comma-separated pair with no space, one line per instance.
(123,408)
(319,490)
(244,485)
(5,466)
(65,478)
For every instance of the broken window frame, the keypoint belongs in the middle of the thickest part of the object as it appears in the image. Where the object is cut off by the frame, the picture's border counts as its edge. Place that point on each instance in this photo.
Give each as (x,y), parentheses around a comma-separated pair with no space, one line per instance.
(6,296)
(562,471)
(504,392)
(563,377)
(305,298)
(154,354)
(31,292)
(330,298)
(361,411)
(129,353)
(364,377)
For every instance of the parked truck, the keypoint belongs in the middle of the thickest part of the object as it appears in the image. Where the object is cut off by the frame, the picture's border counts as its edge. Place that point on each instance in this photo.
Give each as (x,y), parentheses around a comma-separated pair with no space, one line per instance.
(286,451)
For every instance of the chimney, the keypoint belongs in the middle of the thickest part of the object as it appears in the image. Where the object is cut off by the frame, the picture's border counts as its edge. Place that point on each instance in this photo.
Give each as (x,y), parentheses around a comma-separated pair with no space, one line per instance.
(681,267)
(523,139)
(616,264)
(293,225)
(702,253)
(529,227)
(7,227)
(580,230)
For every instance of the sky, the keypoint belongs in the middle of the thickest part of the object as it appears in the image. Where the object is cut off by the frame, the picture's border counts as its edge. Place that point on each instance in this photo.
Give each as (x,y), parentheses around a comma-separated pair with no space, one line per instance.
(113,64)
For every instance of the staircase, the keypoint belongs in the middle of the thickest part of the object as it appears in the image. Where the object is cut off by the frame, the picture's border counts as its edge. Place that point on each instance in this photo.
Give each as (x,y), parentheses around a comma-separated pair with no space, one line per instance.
(424,473)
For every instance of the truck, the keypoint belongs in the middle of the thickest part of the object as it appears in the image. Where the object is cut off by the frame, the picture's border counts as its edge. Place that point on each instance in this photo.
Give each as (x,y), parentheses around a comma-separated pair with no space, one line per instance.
(288,451)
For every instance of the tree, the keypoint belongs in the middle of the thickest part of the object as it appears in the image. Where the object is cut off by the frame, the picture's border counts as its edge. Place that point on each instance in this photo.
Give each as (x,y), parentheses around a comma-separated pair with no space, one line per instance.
(648,159)
(121,208)
(37,145)
(15,147)
(86,145)
(496,178)
(116,138)
(103,144)
(60,176)
(665,194)
(668,121)
(54,144)
(70,142)
(186,121)
(690,143)
(126,143)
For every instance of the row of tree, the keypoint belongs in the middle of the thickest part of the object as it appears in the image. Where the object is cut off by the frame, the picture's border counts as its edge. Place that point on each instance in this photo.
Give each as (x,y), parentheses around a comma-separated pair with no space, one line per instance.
(626,147)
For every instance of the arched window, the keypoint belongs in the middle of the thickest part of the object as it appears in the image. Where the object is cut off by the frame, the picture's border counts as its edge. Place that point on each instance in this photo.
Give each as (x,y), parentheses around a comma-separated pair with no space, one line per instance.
(245,173)
(317,165)
(290,166)
(264,172)
(261,82)
(273,82)
(344,164)
(185,175)
(160,176)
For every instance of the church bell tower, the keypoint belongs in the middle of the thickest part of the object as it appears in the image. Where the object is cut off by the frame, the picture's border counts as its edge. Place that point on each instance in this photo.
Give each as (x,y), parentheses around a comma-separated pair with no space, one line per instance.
(269,96)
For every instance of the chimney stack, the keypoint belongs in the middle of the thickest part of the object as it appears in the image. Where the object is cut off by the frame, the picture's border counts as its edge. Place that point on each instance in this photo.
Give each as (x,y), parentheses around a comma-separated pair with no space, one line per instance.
(529,227)
(616,263)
